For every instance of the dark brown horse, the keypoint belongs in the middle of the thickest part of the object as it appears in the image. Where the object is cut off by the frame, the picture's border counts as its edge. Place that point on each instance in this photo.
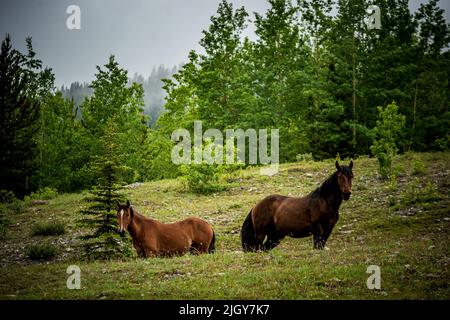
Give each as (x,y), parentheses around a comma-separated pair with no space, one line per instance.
(153,238)
(316,214)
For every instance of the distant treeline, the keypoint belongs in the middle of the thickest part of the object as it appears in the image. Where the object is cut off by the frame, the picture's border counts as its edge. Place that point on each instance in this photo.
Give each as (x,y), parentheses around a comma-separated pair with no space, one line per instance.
(154,93)
(329,84)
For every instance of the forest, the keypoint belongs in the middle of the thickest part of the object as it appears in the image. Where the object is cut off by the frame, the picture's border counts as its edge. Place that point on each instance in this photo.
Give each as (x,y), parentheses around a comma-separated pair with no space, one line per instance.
(317,77)
(336,89)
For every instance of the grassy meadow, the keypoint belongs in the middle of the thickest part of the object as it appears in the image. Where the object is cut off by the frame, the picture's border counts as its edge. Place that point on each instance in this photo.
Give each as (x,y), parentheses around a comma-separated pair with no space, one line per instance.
(400,224)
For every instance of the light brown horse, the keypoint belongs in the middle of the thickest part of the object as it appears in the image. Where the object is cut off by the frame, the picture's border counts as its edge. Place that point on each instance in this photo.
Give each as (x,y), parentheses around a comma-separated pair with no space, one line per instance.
(316,214)
(152,238)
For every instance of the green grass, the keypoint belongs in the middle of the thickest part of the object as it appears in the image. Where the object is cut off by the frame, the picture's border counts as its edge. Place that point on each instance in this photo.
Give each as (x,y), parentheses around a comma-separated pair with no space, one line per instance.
(48,229)
(410,245)
(41,252)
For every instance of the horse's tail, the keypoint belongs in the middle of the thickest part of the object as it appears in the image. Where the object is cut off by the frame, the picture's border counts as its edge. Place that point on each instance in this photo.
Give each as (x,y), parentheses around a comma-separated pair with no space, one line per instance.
(248,234)
(212,245)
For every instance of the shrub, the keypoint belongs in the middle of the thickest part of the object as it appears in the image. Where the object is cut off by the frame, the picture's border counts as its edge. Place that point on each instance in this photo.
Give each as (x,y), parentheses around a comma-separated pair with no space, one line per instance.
(43,194)
(48,229)
(4,222)
(387,133)
(416,193)
(202,178)
(304,157)
(7,196)
(17,206)
(41,252)
(10,202)
(419,168)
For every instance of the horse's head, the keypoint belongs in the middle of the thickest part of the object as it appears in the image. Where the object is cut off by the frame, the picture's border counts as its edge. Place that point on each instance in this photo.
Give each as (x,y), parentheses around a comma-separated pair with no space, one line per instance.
(345,176)
(124,215)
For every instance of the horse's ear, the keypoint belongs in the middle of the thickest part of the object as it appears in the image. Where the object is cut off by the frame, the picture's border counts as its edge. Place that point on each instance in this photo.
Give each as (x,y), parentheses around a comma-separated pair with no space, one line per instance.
(118,204)
(131,211)
(128,203)
(338,167)
(351,164)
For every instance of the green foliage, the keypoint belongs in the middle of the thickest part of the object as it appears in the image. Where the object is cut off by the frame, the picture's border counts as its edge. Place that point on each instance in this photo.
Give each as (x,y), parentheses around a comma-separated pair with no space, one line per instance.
(48,229)
(305,157)
(419,168)
(387,133)
(63,146)
(4,222)
(202,178)
(156,157)
(41,252)
(23,87)
(100,214)
(417,193)
(6,196)
(46,193)
(113,100)
(10,204)
(16,206)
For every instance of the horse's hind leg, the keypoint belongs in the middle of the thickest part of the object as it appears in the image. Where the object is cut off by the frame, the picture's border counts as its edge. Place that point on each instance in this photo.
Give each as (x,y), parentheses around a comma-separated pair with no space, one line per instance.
(271,243)
(273,239)
(194,249)
(259,239)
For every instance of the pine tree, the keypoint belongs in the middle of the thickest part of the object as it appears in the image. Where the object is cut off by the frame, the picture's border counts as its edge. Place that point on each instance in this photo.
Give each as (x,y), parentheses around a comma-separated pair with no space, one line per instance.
(23,85)
(104,241)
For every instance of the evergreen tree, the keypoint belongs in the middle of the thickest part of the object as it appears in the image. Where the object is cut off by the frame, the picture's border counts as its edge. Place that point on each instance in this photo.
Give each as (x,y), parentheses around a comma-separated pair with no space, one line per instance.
(104,241)
(114,99)
(23,86)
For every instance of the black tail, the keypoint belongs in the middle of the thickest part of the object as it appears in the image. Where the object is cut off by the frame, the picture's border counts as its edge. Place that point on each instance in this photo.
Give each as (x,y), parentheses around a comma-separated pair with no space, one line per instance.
(248,234)
(212,245)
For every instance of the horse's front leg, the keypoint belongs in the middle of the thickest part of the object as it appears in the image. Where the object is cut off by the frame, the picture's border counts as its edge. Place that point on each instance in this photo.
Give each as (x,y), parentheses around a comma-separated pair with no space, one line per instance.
(319,241)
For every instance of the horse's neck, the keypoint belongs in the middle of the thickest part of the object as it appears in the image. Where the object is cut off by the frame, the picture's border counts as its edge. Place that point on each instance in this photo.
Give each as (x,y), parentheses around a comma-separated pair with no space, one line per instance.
(136,226)
(332,193)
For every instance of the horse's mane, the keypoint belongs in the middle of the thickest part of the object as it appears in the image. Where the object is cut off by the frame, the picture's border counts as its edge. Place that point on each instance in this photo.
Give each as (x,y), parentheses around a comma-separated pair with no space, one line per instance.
(136,213)
(326,188)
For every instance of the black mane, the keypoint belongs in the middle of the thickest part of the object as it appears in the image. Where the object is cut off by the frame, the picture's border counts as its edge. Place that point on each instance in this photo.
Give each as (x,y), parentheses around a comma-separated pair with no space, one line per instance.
(330,190)
(328,187)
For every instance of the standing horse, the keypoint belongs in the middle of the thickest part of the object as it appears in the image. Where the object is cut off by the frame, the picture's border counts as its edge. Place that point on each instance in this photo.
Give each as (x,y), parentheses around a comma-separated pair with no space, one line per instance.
(153,238)
(316,214)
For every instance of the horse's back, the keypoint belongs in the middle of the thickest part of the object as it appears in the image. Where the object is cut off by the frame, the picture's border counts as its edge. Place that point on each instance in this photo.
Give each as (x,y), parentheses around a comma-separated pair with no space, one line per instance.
(263,212)
(282,213)
(199,230)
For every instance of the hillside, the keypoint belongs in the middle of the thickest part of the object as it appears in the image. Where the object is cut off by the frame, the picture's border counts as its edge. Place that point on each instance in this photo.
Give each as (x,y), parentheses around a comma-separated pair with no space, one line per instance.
(402,227)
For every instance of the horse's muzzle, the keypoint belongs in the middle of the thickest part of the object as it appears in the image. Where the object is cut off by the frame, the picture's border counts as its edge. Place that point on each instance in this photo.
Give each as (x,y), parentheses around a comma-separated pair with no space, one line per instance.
(121,232)
(347,195)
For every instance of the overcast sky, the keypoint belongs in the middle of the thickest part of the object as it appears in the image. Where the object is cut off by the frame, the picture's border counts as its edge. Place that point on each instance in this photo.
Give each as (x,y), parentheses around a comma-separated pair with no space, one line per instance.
(140,33)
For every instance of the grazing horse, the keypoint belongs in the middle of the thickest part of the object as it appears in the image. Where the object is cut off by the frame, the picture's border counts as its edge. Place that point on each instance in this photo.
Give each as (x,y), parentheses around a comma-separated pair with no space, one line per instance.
(316,214)
(152,238)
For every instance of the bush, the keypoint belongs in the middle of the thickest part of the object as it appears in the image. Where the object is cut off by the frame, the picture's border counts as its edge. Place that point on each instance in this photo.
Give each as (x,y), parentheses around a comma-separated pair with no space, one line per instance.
(4,222)
(416,193)
(304,157)
(48,229)
(10,202)
(419,168)
(202,178)
(17,206)
(41,252)
(43,194)
(7,196)
(387,133)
